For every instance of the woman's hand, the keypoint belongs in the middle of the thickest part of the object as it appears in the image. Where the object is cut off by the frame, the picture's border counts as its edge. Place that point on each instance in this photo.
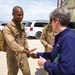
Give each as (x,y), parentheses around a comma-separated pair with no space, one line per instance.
(41,61)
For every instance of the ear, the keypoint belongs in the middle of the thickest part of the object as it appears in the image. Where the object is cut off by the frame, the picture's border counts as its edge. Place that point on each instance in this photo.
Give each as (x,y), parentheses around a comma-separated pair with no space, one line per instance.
(57,21)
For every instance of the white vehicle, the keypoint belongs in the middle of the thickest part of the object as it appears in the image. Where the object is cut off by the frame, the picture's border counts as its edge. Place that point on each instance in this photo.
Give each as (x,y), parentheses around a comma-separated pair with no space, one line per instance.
(1,27)
(2,24)
(34,28)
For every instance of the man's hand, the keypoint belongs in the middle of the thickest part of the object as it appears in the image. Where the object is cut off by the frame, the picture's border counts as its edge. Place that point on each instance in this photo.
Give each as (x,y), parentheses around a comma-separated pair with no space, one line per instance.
(49,46)
(33,55)
(30,53)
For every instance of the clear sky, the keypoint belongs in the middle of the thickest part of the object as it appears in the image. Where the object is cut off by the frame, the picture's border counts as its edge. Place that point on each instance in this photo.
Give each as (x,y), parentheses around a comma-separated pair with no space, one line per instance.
(33,9)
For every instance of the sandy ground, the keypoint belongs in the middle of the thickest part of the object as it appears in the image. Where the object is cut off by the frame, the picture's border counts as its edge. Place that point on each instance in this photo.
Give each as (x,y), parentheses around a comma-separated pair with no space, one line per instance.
(35,69)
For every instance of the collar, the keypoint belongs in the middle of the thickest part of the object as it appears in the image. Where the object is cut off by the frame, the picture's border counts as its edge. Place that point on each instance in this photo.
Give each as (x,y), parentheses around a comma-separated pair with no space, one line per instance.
(13,24)
(62,33)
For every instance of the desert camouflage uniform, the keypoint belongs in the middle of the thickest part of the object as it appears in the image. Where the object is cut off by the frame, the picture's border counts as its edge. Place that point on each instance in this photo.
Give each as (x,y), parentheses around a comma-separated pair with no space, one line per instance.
(16,42)
(47,37)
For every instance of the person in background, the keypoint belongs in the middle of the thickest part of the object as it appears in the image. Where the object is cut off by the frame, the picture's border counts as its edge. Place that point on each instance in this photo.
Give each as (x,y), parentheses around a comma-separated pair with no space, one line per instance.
(17,45)
(64,45)
(47,39)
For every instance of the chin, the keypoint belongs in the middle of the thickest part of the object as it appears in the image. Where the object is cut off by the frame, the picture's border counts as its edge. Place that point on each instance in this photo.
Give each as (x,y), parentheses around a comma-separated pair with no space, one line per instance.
(20,20)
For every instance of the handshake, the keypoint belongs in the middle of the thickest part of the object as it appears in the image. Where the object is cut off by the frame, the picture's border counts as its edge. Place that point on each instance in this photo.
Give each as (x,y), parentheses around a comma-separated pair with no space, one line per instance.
(30,53)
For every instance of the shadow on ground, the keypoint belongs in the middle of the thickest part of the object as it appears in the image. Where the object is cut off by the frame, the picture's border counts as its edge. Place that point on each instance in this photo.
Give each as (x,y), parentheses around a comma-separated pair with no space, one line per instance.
(40,71)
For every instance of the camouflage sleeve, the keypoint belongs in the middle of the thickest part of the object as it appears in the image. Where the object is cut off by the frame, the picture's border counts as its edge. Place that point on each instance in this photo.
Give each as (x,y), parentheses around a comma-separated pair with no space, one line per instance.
(43,37)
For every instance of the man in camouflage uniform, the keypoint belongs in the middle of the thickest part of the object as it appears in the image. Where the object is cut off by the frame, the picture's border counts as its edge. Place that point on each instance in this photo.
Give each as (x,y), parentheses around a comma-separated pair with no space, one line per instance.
(47,39)
(17,44)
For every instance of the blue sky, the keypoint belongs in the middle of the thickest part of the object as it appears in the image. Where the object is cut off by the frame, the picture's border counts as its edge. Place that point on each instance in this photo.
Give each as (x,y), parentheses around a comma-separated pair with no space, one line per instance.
(33,9)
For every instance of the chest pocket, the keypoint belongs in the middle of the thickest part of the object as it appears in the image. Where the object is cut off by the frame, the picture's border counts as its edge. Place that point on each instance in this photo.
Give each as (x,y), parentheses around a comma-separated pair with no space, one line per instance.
(18,34)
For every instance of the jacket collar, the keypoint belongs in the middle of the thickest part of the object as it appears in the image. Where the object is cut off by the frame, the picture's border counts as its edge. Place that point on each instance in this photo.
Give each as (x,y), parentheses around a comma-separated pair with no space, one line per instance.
(13,24)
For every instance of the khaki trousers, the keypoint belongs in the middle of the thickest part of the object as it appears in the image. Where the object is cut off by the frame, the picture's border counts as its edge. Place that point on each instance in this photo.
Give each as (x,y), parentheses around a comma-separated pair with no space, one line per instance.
(13,67)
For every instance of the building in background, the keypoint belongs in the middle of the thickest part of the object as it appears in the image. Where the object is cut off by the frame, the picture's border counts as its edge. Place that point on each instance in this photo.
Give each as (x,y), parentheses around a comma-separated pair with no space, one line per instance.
(70,4)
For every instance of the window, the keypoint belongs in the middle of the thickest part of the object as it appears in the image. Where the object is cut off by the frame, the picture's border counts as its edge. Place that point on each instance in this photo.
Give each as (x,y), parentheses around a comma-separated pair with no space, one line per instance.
(24,23)
(72,25)
(40,24)
(64,2)
(3,24)
(28,24)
